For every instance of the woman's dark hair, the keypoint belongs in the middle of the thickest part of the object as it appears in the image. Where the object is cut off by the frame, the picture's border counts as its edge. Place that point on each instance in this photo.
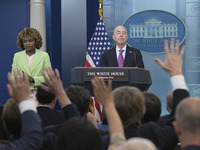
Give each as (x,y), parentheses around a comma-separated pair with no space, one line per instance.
(79,134)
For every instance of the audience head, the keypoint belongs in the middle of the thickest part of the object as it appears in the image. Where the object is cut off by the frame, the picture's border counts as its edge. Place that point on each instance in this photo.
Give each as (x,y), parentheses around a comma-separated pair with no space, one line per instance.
(44,97)
(152,107)
(4,135)
(187,124)
(79,133)
(169,100)
(11,117)
(79,96)
(137,144)
(130,104)
(120,36)
(29,32)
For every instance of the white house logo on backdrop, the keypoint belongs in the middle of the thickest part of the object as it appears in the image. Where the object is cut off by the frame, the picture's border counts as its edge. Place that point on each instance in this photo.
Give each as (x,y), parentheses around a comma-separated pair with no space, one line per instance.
(147,30)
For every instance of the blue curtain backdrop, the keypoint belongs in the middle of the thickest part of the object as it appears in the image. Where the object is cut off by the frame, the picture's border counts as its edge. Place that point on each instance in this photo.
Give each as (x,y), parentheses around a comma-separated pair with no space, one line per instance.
(14,16)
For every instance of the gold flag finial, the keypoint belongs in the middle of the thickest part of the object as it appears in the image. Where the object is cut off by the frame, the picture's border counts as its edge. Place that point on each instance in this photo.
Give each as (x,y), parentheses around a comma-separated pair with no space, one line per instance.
(100,1)
(100,9)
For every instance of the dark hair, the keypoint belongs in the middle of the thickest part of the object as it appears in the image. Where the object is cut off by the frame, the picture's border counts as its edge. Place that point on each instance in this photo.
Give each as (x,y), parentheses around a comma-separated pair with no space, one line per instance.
(43,96)
(79,96)
(35,34)
(12,117)
(153,107)
(79,134)
(3,133)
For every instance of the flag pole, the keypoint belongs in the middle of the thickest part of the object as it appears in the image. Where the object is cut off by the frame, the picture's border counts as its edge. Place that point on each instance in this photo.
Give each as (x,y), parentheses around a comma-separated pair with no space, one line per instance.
(100,9)
(98,44)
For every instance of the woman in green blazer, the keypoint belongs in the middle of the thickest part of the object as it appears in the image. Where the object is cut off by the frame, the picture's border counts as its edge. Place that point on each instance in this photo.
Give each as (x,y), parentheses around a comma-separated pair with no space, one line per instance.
(31,60)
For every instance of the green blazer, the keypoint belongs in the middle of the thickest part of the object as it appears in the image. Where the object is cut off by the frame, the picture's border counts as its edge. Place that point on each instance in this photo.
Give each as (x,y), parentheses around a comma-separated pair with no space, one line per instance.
(40,61)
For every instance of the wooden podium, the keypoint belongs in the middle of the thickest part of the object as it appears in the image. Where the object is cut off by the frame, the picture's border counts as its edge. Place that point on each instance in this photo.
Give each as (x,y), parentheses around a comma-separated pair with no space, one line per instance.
(120,76)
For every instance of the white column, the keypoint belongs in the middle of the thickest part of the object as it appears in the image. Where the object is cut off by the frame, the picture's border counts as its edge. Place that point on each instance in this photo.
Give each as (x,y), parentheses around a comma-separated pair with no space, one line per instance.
(38,20)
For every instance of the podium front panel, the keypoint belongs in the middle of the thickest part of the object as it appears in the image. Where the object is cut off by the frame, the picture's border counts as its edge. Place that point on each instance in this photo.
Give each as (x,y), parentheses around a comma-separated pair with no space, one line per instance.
(124,76)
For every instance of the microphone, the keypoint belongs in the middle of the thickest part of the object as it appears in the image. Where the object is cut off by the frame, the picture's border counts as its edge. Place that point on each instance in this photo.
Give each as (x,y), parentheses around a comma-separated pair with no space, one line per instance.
(87,53)
(134,58)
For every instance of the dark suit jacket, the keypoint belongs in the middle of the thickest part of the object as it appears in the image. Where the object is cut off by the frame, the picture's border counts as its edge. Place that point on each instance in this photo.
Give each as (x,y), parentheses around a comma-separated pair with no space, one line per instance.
(50,116)
(31,134)
(163,137)
(52,131)
(163,120)
(69,111)
(133,58)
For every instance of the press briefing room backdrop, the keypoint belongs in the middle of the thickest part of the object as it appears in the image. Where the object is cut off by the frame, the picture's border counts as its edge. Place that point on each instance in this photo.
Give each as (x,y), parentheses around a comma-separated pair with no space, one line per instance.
(70,25)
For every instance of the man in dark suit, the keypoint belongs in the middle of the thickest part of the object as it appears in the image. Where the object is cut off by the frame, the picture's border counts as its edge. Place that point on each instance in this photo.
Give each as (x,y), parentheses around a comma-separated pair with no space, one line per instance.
(169,100)
(46,110)
(131,57)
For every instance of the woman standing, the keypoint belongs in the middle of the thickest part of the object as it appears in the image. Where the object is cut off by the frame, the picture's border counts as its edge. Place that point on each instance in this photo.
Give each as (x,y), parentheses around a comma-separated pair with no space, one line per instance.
(31,60)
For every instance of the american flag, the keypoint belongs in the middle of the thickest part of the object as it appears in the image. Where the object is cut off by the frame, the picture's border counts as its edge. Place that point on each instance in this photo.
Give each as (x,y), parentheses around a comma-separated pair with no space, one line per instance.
(98,44)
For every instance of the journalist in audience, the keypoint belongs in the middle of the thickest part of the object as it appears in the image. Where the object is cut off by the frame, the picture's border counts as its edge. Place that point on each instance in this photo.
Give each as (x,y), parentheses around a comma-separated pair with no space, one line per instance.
(4,135)
(81,97)
(152,107)
(45,108)
(169,102)
(187,123)
(12,119)
(30,137)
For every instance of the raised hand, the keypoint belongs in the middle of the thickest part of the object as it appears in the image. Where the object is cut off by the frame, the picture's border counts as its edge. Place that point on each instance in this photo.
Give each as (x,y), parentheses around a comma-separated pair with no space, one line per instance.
(104,95)
(173,60)
(92,119)
(54,85)
(53,81)
(18,87)
(102,92)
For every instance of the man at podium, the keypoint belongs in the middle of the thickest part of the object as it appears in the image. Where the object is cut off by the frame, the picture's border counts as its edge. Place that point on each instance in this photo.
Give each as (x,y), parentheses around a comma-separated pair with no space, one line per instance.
(122,55)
